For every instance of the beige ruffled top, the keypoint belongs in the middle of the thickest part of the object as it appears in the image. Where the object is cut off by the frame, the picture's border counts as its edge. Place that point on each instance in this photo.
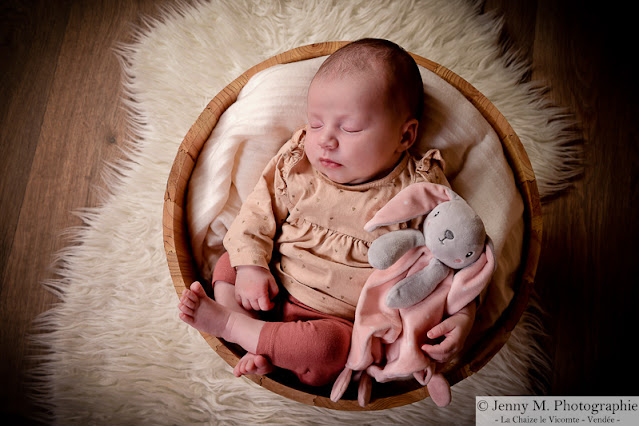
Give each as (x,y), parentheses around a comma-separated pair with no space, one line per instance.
(310,230)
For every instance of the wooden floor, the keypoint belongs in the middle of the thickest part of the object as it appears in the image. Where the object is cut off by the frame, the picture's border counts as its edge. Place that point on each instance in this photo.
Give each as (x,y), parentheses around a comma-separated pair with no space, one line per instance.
(62,118)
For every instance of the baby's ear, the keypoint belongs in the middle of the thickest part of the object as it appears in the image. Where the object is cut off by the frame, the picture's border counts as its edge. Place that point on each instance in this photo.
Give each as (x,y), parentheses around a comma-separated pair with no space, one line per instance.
(409,134)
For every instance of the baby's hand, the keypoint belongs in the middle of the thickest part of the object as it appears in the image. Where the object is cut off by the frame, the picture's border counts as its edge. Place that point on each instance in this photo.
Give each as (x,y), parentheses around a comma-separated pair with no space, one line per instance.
(456,329)
(255,288)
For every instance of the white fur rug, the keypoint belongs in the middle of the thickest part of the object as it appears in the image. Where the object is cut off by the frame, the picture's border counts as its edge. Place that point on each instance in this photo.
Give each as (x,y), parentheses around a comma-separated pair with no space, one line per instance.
(118,352)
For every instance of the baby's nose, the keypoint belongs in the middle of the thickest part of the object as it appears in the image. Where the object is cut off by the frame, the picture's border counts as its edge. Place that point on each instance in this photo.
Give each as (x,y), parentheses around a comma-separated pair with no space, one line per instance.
(328,142)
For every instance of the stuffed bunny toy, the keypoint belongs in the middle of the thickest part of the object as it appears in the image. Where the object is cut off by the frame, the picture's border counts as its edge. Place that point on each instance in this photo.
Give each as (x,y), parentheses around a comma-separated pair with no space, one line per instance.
(420,276)
(452,231)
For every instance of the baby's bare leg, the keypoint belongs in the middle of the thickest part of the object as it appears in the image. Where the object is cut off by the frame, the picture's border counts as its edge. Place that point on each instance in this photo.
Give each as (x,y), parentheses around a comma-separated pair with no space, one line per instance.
(224,294)
(250,363)
(209,316)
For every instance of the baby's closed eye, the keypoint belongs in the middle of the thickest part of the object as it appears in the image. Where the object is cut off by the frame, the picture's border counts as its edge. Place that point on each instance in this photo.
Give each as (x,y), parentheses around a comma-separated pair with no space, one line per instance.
(351,129)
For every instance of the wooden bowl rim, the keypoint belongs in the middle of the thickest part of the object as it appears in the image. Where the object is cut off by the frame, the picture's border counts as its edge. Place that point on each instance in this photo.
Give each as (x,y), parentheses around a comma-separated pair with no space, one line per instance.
(183,270)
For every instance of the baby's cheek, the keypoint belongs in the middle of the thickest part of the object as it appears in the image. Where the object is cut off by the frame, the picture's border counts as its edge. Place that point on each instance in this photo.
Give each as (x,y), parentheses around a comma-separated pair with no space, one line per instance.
(309,151)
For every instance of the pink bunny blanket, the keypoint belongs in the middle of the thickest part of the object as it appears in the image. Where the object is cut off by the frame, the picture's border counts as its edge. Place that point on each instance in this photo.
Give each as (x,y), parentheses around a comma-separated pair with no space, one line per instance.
(386,342)
(396,336)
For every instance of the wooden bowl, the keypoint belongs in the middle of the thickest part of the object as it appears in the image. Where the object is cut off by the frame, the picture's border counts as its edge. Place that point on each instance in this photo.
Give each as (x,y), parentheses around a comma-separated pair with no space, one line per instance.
(387,395)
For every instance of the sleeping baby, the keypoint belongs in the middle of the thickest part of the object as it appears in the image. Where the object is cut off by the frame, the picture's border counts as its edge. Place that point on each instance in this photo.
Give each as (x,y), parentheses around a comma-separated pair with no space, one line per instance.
(297,250)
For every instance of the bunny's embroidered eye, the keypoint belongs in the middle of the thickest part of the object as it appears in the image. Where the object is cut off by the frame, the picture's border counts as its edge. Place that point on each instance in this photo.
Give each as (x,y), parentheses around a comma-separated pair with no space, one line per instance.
(470,253)
(436,214)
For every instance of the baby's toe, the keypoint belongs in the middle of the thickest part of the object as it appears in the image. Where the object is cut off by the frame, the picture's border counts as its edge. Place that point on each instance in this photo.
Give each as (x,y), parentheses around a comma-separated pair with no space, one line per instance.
(197,289)
(187,301)
(186,308)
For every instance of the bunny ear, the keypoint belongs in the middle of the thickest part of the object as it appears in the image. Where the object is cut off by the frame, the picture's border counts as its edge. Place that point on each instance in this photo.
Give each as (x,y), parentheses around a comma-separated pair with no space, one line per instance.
(469,282)
(411,202)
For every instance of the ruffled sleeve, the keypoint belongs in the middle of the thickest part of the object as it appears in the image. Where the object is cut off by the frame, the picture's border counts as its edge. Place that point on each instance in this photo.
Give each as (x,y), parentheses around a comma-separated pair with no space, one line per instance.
(430,168)
(288,156)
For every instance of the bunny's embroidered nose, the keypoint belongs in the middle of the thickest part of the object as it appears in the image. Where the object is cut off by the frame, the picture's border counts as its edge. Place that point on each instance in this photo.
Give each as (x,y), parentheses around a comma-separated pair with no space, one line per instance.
(448,235)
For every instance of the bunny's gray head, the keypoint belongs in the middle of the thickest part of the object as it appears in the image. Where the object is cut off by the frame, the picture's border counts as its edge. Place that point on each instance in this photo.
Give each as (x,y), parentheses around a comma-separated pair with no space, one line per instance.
(454,233)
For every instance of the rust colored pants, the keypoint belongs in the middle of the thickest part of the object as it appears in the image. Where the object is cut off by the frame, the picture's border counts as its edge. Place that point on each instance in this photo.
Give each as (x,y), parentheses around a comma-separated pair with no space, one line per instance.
(311,344)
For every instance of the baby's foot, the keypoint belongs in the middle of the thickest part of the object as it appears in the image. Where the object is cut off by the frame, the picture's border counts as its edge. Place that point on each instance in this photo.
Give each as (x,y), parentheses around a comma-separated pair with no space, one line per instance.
(205,314)
(202,312)
(252,364)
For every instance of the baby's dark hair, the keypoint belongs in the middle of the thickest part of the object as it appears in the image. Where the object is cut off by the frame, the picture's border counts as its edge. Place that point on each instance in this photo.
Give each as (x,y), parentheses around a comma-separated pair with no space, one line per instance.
(375,55)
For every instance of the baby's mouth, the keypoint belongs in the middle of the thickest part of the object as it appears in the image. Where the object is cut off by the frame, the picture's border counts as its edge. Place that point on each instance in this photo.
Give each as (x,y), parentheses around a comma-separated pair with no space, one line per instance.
(329,164)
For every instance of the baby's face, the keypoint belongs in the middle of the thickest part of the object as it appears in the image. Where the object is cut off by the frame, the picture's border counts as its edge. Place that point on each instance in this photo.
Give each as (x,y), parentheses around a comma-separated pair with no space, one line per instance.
(353,134)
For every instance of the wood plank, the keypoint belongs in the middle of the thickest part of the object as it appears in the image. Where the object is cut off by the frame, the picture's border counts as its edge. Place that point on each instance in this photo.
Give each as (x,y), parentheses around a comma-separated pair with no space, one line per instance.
(84,125)
(590,229)
(577,50)
(32,36)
